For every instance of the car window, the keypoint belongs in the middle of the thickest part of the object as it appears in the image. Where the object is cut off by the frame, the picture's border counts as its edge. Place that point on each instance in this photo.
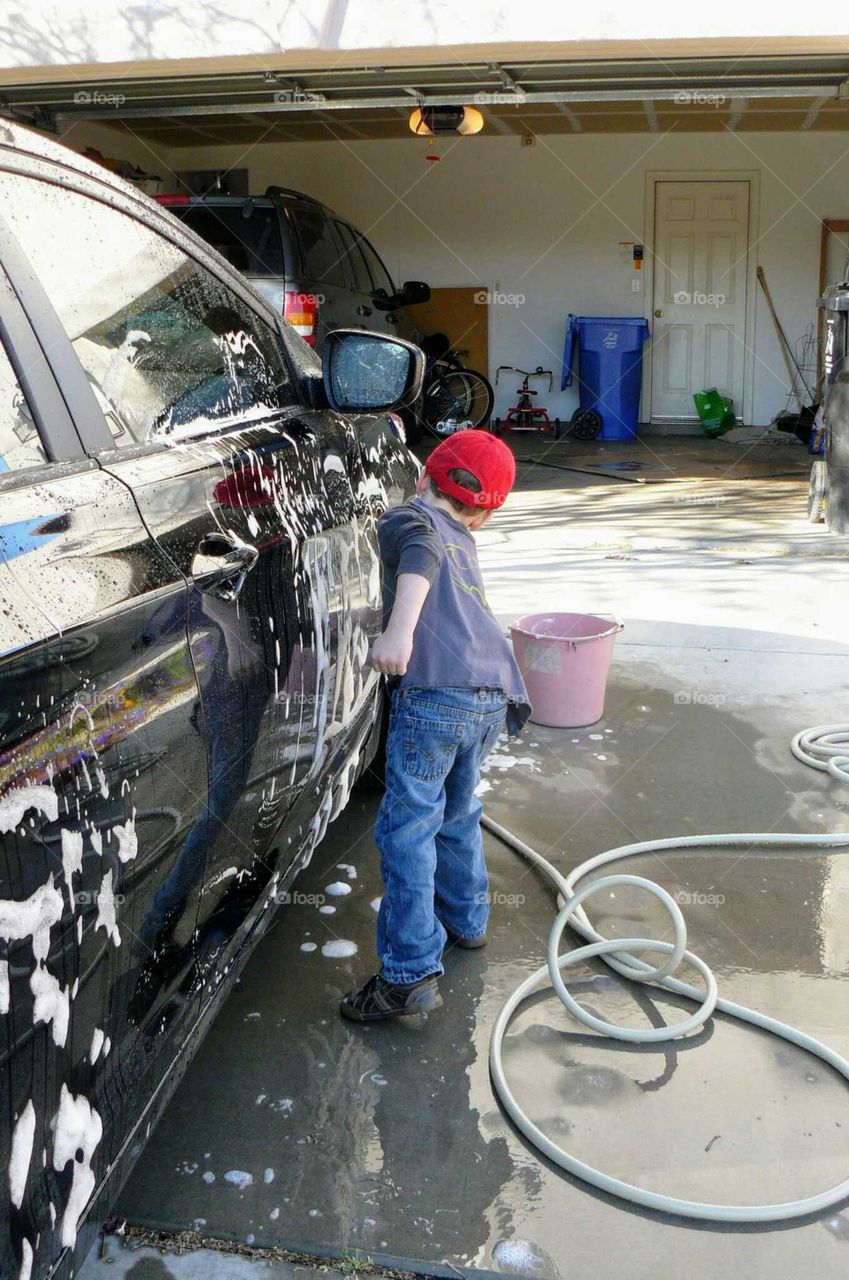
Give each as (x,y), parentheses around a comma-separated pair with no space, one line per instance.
(322,255)
(247,235)
(20,444)
(379,274)
(167,347)
(353,255)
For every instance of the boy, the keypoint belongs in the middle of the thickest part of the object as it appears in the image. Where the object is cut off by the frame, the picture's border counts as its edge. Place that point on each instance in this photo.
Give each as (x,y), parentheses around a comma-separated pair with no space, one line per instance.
(454,681)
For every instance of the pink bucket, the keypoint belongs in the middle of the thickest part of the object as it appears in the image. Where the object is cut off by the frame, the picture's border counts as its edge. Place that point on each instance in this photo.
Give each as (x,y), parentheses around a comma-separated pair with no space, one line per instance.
(565,658)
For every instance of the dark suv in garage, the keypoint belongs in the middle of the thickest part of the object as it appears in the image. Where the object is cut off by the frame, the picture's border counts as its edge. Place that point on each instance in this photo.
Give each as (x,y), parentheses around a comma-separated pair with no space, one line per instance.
(315,269)
(189,584)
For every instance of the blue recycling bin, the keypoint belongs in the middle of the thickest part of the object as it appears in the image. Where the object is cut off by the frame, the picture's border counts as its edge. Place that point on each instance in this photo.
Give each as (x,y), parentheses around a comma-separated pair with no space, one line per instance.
(610,369)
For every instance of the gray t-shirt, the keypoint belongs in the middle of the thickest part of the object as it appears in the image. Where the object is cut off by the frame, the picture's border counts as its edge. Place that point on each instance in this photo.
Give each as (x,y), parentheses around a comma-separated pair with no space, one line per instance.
(457,642)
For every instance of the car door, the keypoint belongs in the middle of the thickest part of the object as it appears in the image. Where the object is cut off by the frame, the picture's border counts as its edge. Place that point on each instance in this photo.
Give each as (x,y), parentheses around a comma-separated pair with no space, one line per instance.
(323,269)
(249,496)
(382,286)
(368,314)
(102,774)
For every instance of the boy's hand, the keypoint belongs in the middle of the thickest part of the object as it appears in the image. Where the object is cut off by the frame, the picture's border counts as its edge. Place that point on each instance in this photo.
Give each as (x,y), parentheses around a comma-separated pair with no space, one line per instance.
(391,651)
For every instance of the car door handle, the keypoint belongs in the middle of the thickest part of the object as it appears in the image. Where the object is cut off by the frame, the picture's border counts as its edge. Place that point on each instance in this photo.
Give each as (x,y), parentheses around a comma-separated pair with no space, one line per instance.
(363,310)
(221,563)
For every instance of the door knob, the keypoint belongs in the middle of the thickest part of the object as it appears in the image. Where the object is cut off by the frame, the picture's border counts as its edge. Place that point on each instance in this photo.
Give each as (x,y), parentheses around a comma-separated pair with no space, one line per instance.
(659,312)
(221,564)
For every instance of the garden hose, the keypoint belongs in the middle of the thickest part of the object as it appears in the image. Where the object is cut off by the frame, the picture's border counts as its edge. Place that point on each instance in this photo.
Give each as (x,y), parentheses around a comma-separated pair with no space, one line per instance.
(824,747)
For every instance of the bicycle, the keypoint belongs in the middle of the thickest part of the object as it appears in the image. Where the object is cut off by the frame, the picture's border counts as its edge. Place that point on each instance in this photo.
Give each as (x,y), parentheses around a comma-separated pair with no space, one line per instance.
(453,397)
(527,415)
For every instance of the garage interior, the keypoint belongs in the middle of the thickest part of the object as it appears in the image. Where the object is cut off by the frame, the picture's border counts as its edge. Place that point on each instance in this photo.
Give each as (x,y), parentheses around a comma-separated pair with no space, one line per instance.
(291,1130)
(544,211)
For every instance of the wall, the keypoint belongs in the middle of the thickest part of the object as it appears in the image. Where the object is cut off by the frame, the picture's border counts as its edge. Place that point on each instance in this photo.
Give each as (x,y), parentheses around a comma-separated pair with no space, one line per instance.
(119,142)
(544,222)
(87,32)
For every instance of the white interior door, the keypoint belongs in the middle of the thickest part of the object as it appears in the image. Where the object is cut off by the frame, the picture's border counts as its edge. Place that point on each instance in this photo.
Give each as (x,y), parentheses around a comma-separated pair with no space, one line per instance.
(701,237)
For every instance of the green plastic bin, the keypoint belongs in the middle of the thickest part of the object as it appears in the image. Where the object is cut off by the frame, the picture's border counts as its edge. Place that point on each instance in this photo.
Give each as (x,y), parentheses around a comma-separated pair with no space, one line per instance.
(714,411)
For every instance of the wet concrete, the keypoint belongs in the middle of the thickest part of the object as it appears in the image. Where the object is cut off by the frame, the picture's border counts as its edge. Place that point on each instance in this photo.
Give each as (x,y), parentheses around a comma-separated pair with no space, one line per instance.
(722,539)
(388,1140)
(295,1128)
(147,1262)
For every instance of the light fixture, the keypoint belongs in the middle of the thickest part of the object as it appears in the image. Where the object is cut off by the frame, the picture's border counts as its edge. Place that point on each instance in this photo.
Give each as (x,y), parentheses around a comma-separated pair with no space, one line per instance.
(426,122)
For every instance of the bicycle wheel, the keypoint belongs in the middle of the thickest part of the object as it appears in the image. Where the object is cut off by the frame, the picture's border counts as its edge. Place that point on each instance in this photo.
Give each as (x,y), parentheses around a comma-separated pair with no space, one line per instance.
(463,395)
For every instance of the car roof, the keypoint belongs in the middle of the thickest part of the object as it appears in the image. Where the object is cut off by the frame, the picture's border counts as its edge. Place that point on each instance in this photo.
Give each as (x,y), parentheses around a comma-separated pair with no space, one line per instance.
(272,196)
(19,138)
(183,198)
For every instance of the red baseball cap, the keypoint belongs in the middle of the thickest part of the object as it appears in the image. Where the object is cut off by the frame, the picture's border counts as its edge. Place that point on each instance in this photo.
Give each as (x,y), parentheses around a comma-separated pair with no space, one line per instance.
(487,458)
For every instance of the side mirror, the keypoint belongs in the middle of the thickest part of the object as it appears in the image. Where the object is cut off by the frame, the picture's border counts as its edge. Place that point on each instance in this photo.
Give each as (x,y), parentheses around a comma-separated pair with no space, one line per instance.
(413,292)
(367,372)
(385,301)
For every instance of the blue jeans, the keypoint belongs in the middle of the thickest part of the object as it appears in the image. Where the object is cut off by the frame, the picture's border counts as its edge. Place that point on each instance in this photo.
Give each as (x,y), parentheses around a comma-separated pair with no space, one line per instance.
(428,826)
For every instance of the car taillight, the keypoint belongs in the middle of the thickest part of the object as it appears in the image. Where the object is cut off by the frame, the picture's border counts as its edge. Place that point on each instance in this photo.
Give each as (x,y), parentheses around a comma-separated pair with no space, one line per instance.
(169,200)
(300,310)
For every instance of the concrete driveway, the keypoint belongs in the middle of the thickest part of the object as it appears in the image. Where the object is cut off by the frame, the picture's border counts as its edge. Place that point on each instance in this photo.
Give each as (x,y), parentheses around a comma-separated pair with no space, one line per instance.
(294,1128)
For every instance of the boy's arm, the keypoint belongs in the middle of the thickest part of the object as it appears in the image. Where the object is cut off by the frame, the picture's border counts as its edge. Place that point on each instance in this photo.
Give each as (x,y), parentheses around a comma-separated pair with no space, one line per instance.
(411,550)
(391,651)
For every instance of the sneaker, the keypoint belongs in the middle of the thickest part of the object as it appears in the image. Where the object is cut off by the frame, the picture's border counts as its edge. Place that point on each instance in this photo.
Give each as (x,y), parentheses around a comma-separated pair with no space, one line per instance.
(467,944)
(378,999)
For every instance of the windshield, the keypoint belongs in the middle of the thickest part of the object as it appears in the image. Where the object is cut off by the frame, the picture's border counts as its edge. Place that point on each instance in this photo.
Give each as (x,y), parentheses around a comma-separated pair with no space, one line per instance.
(247,235)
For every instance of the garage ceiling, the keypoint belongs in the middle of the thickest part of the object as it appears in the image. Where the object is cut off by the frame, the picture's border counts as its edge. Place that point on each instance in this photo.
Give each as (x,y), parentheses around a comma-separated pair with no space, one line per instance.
(643,95)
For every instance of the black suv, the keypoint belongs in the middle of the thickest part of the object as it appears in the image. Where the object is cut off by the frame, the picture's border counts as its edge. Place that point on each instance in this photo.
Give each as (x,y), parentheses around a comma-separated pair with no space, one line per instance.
(189,584)
(315,270)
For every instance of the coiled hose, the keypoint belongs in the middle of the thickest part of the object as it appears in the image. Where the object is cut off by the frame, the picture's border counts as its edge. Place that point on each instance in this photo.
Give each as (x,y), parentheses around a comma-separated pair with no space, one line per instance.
(825,747)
